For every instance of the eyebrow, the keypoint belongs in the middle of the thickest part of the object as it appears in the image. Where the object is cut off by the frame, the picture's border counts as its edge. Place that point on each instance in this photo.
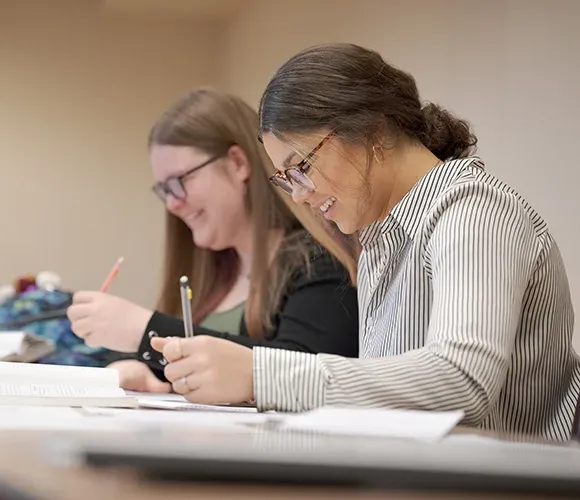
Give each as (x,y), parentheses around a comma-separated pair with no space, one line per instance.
(288,160)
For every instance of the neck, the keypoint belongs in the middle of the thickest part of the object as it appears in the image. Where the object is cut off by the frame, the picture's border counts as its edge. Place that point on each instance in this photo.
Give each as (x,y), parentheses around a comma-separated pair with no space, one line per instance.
(244,247)
(398,175)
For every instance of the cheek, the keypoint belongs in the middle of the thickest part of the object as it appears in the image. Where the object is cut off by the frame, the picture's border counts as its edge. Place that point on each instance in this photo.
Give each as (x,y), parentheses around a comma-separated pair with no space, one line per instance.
(225,199)
(341,179)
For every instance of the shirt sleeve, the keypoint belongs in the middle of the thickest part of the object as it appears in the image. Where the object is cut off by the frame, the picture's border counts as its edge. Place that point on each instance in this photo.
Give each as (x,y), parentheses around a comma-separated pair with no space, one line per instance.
(481,250)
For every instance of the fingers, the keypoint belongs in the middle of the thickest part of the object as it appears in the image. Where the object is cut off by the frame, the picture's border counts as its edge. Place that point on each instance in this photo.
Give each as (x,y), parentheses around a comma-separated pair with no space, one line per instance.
(179,369)
(85,296)
(172,348)
(79,311)
(186,385)
(188,362)
(81,328)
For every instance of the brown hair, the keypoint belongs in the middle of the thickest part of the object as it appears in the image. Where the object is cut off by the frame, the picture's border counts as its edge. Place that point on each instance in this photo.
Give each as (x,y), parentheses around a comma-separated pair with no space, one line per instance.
(352,91)
(213,122)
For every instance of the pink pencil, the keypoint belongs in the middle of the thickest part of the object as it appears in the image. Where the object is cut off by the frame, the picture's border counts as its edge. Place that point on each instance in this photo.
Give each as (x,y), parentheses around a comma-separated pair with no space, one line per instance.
(112,275)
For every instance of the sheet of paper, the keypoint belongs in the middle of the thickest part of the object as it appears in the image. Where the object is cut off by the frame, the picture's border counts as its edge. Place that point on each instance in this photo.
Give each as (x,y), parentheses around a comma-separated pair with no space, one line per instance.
(10,343)
(186,406)
(32,373)
(157,396)
(422,425)
(170,419)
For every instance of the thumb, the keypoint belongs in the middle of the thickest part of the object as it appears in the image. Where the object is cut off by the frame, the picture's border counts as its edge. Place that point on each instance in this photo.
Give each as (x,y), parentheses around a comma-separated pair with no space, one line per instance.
(159,343)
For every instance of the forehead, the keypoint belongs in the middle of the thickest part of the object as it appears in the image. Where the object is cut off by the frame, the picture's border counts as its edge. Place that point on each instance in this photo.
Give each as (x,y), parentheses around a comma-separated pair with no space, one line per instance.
(174,160)
(290,151)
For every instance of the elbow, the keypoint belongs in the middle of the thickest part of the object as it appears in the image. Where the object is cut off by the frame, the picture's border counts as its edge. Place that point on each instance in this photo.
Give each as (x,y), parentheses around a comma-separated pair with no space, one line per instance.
(478,398)
(475,387)
(476,405)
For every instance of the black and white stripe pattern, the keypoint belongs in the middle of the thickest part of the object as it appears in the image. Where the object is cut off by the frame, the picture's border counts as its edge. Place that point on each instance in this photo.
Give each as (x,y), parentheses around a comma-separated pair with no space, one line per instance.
(464,304)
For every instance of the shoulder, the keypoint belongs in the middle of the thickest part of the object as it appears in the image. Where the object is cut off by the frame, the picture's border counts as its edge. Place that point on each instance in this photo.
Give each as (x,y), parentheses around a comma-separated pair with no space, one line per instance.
(477,198)
(477,215)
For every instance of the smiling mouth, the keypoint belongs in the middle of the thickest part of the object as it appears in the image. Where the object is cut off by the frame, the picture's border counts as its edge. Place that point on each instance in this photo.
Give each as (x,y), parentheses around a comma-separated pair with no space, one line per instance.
(325,207)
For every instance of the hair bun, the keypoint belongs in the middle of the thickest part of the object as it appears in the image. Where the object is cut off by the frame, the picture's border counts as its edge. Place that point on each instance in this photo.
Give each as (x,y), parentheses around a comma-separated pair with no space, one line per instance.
(447,136)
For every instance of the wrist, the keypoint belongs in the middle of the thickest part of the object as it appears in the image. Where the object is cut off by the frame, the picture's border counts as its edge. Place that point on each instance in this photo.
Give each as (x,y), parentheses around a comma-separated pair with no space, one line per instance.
(141,322)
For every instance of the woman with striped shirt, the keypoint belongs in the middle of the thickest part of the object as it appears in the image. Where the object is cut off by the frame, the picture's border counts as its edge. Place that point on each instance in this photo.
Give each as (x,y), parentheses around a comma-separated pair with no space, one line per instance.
(463,297)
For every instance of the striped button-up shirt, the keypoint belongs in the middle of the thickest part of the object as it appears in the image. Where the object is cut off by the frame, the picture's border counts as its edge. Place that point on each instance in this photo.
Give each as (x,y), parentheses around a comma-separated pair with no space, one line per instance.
(464,304)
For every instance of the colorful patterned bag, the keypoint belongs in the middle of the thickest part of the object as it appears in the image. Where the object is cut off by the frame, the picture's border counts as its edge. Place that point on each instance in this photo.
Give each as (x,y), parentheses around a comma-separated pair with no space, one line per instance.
(43,312)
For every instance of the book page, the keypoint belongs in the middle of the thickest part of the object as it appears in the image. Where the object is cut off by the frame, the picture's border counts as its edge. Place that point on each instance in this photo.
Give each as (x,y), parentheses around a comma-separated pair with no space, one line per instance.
(74,376)
(57,391)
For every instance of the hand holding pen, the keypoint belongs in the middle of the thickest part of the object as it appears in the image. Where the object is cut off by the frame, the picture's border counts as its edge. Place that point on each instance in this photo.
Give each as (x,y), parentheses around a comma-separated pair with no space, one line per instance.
(104,320)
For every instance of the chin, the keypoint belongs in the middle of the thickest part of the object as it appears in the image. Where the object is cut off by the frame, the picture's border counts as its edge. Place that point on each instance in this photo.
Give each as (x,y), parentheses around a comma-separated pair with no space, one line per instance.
(203,241)
(346,227)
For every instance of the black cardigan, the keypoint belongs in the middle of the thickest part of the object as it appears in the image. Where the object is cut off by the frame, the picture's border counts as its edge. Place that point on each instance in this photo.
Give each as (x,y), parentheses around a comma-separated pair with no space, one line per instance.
(318,314)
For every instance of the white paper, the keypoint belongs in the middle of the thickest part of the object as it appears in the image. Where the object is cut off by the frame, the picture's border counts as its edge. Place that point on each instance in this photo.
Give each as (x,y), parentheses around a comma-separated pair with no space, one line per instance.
(421,425)
(159,396)
(57,391)
(169,419)
(11,343)
(78,376)
(186,406)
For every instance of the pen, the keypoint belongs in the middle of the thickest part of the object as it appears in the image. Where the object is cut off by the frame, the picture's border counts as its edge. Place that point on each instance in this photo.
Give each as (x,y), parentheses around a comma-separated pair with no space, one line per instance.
(112,275)
(186,305)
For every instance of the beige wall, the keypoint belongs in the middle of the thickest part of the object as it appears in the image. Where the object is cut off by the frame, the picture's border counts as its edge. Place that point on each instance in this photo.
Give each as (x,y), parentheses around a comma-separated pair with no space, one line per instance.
(80,88)
(78,92)
(510,66)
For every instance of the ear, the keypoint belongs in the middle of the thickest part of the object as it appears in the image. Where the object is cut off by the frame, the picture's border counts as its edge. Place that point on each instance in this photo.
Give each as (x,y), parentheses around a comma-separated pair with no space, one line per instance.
(239,163)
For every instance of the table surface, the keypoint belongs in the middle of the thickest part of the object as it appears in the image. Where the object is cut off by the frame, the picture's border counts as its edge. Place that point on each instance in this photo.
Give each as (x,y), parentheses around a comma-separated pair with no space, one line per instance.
(23,468)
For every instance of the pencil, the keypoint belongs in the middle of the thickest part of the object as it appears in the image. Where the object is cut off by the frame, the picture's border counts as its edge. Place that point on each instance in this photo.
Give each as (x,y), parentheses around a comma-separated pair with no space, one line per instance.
(112,275)
(186,305)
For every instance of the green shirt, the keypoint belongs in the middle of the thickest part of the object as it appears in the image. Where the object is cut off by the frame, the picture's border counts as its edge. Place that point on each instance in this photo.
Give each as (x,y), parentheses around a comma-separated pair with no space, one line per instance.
(225,321)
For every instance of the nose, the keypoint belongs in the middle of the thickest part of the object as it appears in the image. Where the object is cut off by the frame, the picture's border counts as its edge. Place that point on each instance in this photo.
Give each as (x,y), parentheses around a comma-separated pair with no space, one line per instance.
(173,204)
(300,194)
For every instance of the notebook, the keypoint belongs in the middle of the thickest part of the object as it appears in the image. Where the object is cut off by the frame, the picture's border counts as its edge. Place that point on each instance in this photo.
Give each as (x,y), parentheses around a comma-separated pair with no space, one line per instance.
(55,385)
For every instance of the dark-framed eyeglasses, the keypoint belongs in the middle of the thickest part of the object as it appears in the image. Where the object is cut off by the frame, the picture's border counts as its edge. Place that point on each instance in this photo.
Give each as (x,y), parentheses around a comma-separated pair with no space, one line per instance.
(174,186)
(298,174)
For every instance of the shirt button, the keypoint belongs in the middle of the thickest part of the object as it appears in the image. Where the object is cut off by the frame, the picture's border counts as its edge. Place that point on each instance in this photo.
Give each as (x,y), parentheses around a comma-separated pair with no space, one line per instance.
(146,356)
(152,334)
(162,361)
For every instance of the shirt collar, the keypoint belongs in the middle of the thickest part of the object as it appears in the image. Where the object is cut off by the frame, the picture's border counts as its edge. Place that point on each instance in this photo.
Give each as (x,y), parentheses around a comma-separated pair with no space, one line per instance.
(409,212)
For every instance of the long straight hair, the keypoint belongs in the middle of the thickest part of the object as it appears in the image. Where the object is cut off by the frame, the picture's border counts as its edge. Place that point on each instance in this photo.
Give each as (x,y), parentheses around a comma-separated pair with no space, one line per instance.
(212,122)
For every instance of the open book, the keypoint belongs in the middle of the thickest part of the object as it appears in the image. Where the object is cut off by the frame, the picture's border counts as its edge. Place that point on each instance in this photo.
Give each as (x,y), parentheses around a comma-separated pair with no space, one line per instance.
(54,385)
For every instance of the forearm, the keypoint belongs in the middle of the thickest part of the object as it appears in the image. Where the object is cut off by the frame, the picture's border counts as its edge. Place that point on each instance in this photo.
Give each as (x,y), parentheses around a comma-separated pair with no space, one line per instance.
(420,380)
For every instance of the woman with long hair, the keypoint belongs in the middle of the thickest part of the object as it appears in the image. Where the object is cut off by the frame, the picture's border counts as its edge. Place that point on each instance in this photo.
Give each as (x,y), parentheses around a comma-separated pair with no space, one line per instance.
(258,277)
(464,302)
